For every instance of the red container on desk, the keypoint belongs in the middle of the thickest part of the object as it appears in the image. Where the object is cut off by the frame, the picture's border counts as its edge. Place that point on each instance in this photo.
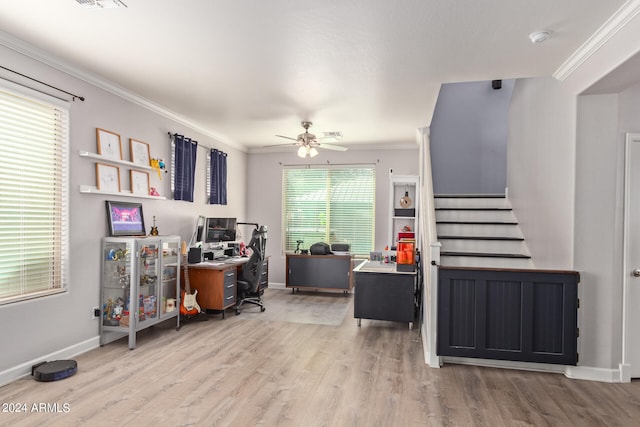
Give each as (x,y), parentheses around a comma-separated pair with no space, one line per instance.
(406,235)
(406,256)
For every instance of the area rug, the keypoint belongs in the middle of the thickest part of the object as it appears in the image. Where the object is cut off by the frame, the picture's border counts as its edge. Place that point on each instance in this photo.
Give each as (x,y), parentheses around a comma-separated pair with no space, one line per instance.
(319,308)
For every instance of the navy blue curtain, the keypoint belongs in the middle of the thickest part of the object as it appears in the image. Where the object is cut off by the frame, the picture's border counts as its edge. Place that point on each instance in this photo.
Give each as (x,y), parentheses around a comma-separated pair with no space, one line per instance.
(185,168)
(218,183)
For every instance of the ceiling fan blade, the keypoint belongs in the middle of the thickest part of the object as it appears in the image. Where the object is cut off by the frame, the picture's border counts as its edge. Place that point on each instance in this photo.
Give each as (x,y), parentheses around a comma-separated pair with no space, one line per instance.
(333,147)
(290,144)
(286,137)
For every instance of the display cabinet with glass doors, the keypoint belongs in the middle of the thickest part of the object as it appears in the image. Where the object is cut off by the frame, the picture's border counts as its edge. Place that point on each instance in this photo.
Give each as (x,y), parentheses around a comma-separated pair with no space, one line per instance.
(140,285)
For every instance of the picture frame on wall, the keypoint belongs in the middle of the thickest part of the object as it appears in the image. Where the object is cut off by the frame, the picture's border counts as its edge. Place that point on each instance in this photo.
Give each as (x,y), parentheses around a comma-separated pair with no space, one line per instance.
(107,178)
(139,183)
(109,144)
(140,154)
(125,219)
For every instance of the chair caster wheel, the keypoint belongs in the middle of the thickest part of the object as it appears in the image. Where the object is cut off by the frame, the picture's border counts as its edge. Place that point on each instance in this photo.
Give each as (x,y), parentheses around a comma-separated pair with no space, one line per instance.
(262,309)
(237,312)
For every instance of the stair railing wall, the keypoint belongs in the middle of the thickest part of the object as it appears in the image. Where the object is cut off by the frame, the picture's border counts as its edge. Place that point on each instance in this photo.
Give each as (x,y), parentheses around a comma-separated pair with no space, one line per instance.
(430,258)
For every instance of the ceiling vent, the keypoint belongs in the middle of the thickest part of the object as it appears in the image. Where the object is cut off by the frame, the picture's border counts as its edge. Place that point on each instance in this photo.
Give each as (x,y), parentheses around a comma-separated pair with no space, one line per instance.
(336,135)
(101,4)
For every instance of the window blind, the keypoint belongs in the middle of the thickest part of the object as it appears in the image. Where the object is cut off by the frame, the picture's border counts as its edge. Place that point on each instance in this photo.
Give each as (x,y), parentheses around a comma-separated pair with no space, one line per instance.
(33,194)
(332,204)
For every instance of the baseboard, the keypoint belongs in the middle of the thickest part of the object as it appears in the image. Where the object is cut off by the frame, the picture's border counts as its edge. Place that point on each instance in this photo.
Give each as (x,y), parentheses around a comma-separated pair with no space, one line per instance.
(24,369)
(625,373)
(430,359)
(574,372)
(593,374)
(505,364)
(277,285)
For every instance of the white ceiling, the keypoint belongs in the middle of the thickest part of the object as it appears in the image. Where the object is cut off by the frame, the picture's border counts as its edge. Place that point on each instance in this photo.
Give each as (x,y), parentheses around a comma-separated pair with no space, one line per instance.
(246,70)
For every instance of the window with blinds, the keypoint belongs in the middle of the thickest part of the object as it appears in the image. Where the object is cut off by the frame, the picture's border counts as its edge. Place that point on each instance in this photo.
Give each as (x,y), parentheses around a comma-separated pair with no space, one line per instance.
(33,194)
(331,204)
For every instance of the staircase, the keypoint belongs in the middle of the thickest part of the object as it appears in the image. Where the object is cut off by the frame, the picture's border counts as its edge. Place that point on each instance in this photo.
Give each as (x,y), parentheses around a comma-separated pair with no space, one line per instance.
(479,231)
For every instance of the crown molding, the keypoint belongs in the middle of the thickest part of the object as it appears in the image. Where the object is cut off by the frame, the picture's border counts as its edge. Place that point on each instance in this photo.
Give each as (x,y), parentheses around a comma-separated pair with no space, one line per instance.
(46,58)
(610,28)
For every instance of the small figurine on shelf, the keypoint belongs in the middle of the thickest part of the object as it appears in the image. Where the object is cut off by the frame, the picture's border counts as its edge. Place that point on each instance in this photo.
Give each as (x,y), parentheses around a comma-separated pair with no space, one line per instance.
(159,166)
(153,192)
(117,312)
(154,229)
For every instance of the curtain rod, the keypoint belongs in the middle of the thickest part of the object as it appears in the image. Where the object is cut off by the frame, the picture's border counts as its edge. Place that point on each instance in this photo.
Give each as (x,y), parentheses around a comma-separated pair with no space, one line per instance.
(316,165)
(172,135)
(81,98)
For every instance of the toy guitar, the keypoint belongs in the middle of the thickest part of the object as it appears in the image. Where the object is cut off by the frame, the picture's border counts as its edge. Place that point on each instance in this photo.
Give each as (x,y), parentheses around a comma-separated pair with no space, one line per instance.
(188,306)
(154,229)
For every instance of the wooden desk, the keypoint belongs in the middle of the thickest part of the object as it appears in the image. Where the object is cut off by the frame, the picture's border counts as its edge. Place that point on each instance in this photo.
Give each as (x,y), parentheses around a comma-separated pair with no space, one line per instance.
(215,282)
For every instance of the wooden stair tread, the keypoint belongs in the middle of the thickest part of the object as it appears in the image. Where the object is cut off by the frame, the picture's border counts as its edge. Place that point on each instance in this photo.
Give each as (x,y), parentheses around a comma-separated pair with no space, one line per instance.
(485,255)
(469,196)
(474,209)
(477,222)
(516,239)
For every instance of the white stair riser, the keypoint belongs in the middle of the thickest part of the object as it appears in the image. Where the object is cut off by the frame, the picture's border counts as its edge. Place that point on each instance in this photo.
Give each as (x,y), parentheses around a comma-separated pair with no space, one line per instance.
(484,246)
(452,261)
(454,215)
(478,230)
(472,203)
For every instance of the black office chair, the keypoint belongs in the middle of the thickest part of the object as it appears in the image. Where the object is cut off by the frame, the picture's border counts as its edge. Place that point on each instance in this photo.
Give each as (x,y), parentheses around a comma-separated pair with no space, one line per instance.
(249,280)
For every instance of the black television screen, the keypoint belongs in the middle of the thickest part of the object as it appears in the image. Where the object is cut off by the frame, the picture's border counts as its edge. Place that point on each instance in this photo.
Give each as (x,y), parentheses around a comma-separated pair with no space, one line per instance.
(220,230)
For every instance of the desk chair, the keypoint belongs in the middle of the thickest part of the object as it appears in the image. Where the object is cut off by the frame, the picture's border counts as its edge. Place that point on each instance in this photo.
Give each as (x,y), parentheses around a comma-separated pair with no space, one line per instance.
(249,281)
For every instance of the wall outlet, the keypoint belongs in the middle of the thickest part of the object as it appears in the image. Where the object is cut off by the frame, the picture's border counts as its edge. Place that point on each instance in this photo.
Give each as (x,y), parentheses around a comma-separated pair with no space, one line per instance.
(96,312)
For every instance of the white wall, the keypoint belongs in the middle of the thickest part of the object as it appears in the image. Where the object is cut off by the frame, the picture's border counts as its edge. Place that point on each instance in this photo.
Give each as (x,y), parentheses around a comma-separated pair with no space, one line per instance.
(264,191)
(566,163)
(63,324)
(540,168)
(469,138)
(598,232)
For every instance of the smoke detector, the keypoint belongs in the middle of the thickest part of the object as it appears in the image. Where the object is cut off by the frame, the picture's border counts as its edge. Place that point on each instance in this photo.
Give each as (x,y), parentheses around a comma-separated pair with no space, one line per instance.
(539,36)
(101,4)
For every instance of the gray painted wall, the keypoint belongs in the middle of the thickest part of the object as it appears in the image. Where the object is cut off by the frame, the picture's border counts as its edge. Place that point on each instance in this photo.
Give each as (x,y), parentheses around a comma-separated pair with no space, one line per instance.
(264,191)
(469,138)
(35,329)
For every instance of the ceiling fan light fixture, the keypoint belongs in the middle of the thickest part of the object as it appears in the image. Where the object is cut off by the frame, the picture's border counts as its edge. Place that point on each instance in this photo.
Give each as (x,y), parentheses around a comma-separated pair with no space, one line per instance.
(101,4)
(302,151)
(313,152)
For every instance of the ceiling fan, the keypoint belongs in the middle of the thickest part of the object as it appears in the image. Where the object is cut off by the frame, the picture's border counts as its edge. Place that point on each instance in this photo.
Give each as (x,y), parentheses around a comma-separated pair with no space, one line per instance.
(308,142)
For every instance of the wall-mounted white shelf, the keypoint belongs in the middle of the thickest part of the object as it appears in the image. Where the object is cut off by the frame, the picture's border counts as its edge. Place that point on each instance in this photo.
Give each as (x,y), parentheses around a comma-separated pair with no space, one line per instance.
(94,190)
(399,186)
(89,189)
(115,161)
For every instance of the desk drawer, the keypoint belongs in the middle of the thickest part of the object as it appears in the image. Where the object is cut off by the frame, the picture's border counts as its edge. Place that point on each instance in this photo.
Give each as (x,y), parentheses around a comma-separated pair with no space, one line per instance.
(229,287)
(230,276)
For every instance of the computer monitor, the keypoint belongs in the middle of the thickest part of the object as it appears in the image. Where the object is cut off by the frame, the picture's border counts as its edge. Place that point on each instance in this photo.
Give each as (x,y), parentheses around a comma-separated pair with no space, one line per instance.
(219,230)
(198,232)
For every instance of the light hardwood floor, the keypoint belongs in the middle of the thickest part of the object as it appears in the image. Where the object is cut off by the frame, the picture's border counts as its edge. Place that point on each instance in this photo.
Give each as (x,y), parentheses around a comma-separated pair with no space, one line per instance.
(243,371)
